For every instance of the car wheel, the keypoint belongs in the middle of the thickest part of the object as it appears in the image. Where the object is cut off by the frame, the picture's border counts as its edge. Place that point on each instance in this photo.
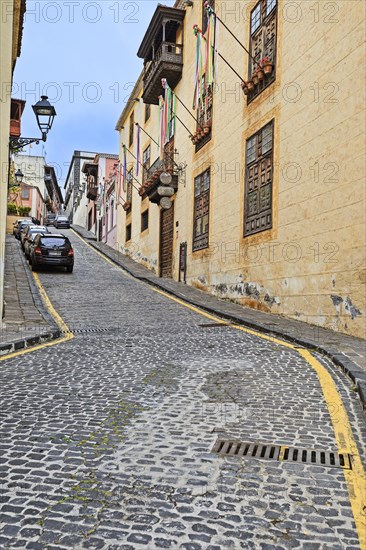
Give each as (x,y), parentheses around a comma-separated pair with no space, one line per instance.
(69,268)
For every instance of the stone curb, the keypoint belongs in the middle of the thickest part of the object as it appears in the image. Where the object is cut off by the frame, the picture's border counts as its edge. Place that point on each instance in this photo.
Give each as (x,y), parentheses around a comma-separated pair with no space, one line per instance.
(351,369)
(28,342)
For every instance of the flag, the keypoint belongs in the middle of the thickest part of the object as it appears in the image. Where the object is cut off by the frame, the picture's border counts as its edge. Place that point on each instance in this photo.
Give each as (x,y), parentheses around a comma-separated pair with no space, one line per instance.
(124,168)
(138,149)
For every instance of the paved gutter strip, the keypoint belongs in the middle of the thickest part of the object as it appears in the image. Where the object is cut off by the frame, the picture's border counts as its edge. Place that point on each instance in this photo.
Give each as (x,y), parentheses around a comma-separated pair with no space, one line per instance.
(247,318)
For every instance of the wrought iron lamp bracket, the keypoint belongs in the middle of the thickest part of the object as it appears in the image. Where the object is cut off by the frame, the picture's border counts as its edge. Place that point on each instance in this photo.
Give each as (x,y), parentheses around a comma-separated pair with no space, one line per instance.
(17,143)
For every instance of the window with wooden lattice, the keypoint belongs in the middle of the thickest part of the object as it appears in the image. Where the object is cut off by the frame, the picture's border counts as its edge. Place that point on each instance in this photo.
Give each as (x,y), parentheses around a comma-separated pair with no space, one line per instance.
(146,157)
(259,181)
(204,118)
(201,212)
(204,13)
(131,128)
(263,38)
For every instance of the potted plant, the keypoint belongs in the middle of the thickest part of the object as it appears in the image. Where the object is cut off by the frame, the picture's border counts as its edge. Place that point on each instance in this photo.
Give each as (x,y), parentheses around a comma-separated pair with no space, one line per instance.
(207,128)
(267,65)
(250,85)
(260,73)
(255,78)
(127,205)
(244,87)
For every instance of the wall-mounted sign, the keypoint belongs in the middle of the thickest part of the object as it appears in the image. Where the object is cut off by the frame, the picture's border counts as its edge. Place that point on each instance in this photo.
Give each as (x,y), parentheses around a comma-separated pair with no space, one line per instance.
(166,203)
(165,178)
(164,191)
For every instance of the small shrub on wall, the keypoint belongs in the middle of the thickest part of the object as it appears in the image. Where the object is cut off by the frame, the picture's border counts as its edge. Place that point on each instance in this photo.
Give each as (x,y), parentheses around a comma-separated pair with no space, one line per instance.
(12,209)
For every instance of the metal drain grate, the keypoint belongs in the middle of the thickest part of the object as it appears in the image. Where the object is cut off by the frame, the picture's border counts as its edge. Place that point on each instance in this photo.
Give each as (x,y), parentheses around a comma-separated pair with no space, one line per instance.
(282,453)
(87,330)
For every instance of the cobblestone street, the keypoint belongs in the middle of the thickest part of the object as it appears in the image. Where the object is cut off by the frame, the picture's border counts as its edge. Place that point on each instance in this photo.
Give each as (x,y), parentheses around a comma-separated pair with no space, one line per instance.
(106,439)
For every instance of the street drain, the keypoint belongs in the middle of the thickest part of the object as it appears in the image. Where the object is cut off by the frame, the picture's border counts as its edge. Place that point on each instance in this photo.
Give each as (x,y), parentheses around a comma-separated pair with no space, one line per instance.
(87,330)
(282,453)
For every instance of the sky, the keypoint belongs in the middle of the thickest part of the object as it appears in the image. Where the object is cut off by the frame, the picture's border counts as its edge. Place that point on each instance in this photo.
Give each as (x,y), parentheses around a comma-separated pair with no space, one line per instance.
(82,55)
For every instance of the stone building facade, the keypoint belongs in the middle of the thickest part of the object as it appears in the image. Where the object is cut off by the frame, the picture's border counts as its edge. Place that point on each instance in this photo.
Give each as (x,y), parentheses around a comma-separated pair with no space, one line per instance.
(11,32)
(269,204)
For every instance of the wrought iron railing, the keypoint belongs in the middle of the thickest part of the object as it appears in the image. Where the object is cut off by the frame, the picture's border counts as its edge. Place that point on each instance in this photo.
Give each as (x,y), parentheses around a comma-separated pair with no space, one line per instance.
(168,51)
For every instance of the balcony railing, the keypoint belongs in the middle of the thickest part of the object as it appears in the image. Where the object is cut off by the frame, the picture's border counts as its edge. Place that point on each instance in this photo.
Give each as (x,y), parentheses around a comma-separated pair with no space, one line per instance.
(167,63)
(150,186)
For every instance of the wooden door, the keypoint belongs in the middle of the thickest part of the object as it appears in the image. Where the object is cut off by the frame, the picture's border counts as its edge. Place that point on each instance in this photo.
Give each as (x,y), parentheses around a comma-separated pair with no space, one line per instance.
(166,242)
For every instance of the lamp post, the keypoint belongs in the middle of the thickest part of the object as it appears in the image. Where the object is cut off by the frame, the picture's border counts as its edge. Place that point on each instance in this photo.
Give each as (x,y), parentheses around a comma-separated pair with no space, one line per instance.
(45,115)
(19,176)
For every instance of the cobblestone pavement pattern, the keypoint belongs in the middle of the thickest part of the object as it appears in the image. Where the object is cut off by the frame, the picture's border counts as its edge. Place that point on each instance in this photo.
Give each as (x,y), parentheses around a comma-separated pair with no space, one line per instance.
(106,439)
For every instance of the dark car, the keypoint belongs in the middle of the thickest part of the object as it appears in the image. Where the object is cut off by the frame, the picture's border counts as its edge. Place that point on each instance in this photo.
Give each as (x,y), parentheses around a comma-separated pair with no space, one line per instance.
(52,249)
(50,219)
(30,235)
(62,222)
(21,228)
(18,223)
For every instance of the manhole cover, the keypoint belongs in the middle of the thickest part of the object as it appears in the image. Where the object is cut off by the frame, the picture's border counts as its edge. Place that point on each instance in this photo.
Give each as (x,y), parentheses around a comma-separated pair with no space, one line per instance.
(282,453)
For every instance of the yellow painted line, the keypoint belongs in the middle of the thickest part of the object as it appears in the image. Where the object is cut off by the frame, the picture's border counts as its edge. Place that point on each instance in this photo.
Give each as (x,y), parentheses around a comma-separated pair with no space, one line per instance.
(97,251)
(60,323)
(217,319)
(355,478)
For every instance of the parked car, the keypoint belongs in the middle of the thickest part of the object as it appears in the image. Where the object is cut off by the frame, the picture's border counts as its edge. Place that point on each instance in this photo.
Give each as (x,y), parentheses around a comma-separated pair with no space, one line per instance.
(62,222)
(21,226)
(52,249)
(17,223)
(29,235)
(50,219)
(23,231)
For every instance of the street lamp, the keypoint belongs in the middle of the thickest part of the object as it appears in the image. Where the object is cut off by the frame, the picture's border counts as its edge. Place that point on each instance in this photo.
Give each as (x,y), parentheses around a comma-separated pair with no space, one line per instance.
(45,115)
(19,176)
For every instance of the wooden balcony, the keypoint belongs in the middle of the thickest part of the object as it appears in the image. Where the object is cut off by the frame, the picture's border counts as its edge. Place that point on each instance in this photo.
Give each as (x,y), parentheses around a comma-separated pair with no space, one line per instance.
(167,63)
(162,55)
(153,180)
(92,193)
(14,128)
(16,111)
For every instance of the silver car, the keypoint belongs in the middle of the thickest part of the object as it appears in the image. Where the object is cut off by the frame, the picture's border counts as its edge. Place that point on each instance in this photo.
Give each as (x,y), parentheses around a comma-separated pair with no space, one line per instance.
(29,237)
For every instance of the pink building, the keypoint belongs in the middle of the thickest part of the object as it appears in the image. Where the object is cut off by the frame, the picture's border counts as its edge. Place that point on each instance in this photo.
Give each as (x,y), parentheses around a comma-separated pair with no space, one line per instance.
(30,196)
(101,176)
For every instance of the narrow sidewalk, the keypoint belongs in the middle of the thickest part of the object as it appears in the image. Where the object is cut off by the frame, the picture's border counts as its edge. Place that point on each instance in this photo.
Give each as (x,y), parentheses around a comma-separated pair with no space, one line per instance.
(346,351)
(26,321)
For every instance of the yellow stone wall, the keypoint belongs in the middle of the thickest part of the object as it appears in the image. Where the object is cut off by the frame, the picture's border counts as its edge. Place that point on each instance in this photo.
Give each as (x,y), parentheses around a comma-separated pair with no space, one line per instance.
(10,35)
(311,264)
